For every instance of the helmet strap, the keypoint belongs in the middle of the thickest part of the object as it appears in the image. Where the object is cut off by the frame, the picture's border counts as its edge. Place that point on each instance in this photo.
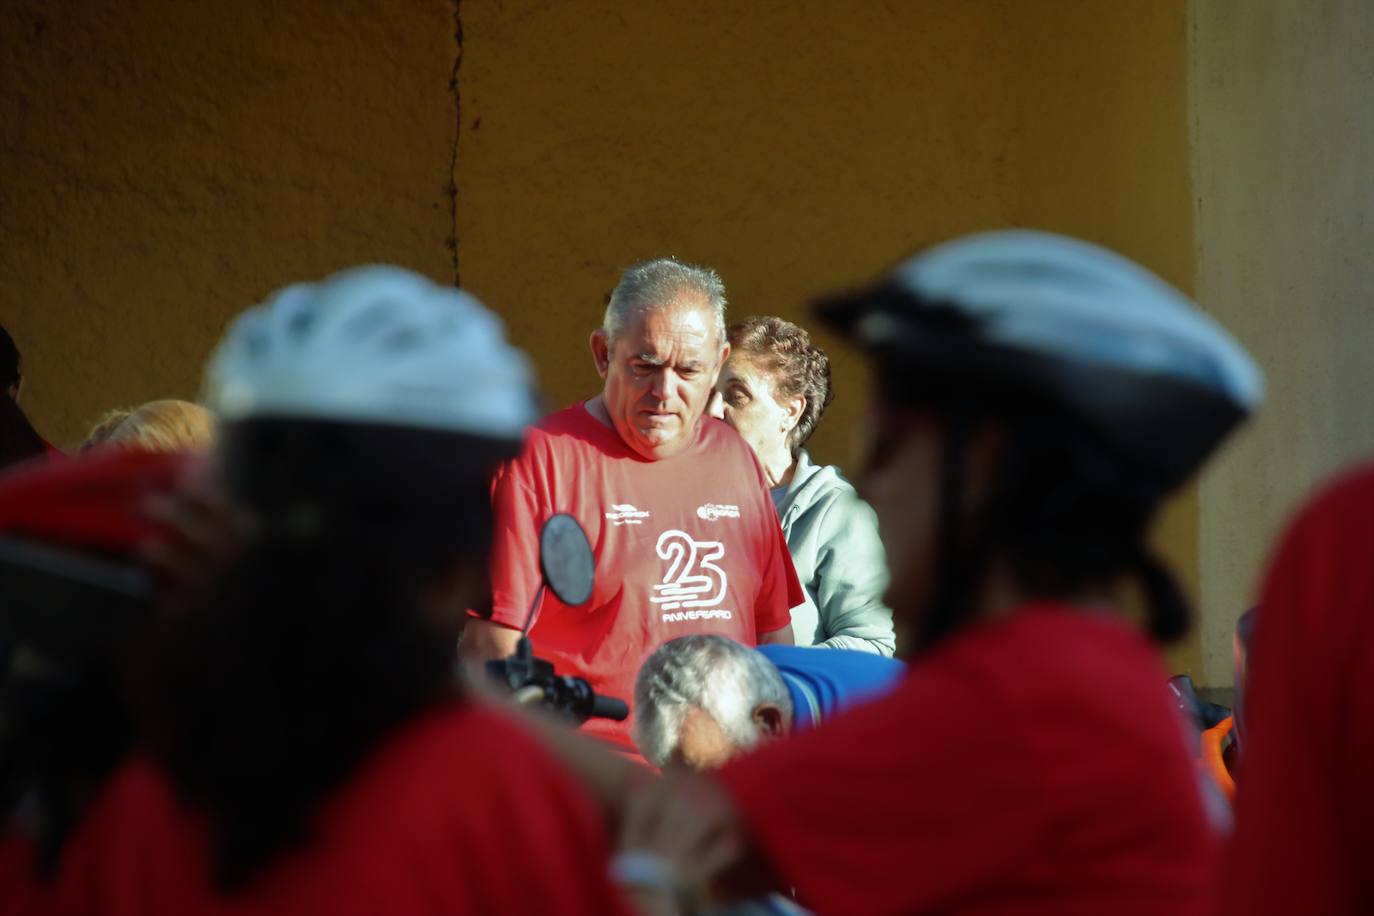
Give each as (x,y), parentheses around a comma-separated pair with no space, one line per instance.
(962,557)
(1169,614)
(966,535)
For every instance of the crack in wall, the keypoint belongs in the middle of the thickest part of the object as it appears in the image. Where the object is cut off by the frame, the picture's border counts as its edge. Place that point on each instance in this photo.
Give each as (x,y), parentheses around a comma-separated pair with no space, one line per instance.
(451,242)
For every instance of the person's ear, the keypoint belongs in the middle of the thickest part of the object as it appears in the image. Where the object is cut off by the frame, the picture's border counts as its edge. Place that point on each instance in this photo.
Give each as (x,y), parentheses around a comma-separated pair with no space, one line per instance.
(768,720)
(16,389)
(601,352)
(720,363)
(793,409)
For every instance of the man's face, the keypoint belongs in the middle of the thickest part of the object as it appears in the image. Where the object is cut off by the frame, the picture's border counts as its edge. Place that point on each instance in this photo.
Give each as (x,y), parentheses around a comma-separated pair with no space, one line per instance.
(659,374)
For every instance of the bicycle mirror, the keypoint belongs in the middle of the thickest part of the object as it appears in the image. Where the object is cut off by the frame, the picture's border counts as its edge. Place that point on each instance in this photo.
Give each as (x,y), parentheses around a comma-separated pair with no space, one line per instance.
(565,558)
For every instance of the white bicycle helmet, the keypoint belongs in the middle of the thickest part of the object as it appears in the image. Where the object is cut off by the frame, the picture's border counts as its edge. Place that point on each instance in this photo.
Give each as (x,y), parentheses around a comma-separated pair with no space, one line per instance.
(374,345)
(374,402)
(1077,324)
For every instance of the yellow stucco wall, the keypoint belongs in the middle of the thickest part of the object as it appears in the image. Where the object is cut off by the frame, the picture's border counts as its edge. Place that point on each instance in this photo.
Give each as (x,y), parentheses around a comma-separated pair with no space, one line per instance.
(1102,153)
(797,146)
(1282,145)
(164,164)
(790,146)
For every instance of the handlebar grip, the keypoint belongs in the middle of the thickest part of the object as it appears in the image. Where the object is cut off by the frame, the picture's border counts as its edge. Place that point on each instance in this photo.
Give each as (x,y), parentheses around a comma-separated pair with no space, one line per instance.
(609,708)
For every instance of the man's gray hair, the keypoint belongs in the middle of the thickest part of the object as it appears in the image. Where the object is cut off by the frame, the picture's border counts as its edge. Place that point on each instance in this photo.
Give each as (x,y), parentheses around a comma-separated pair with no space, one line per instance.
(719,676)
(662,282)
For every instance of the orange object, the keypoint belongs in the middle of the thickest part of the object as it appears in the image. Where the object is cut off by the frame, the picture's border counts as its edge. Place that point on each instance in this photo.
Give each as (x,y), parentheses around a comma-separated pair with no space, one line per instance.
(1215,740)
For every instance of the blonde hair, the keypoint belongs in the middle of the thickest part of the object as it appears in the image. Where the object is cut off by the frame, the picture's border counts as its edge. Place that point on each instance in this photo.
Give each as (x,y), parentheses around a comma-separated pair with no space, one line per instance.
(159,426)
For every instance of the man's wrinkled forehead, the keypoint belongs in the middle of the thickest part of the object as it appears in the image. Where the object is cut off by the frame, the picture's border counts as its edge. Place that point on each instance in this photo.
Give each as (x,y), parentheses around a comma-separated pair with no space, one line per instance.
(685,327)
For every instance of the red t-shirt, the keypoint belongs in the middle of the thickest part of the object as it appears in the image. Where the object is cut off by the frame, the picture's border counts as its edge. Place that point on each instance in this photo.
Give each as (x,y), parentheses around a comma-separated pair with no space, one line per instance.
(1031,765)
(23,891)
(461,812)
(688,544)
(1304,838)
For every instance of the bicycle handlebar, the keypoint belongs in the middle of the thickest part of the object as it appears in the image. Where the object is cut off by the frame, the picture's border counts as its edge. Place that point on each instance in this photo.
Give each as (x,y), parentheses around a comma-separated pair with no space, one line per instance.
(533,682)
(609,708)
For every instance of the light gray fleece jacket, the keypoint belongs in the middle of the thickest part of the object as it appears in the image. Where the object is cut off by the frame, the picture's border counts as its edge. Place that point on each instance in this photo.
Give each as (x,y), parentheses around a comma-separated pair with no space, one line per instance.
(833,537)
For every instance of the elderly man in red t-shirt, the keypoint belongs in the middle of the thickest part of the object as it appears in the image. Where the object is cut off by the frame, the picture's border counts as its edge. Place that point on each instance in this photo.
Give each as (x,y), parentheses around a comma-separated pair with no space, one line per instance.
(674,503)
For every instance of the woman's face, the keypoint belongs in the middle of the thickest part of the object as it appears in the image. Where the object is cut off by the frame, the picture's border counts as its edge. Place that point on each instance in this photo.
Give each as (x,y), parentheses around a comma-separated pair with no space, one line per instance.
(746,398)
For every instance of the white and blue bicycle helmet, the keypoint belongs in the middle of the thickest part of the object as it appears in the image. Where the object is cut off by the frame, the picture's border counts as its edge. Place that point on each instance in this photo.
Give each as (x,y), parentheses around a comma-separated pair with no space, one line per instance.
(1072,322)
(1111,385)
(375,391)
(374,344)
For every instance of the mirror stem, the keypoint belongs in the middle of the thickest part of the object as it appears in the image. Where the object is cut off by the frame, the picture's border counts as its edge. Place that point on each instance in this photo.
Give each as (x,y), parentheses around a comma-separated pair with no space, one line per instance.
(534,608)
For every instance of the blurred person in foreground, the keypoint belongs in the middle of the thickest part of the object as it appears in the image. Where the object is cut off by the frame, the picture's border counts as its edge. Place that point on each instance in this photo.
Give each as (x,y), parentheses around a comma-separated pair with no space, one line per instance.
(1037,399)
(1305,793)
(19,441)
(703,700)
(166,425)
(674,503)
(309,751)
(773,391)
(77,598)
(11,376)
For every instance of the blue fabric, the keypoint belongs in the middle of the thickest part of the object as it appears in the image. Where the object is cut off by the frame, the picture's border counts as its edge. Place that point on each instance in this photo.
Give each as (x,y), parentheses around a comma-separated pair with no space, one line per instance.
(824,681)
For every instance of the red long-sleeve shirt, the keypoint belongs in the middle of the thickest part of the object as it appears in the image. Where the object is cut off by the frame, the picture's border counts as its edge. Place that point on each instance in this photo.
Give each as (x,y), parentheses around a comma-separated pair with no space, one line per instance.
(1304,838)
(460,812)
(1032,765)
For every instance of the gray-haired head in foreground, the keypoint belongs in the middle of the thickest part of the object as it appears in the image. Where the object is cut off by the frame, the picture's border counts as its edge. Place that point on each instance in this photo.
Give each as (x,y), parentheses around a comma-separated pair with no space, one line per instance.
(662,282)
(717,675)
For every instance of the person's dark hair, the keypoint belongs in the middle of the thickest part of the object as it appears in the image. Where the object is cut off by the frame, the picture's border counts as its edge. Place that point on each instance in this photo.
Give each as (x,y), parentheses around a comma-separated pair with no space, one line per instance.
(798,367)
(1068,512)
(19,441)
(314,645)
(66,728)
(10,369)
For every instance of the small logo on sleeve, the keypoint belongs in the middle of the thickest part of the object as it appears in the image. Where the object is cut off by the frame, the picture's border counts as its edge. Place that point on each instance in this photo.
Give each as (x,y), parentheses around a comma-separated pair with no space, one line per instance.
(714,512)
(625,514)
